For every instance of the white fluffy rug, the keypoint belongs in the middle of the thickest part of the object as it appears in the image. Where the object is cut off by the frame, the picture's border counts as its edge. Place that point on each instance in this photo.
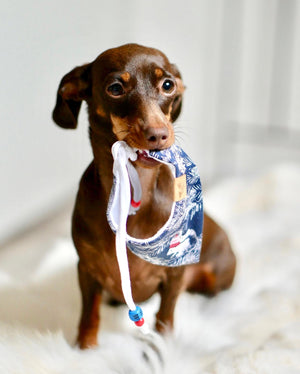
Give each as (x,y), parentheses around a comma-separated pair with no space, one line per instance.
(252,328)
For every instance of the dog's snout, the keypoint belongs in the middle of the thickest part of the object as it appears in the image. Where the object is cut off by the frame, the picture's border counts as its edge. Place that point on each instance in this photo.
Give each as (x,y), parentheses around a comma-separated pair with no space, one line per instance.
(156,137)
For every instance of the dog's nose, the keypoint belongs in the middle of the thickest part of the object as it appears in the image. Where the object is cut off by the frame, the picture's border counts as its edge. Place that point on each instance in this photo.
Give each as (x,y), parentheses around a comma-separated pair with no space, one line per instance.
(156,137)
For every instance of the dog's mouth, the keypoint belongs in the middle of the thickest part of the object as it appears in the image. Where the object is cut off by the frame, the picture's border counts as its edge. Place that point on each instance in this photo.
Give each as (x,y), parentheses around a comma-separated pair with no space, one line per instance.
(144,159)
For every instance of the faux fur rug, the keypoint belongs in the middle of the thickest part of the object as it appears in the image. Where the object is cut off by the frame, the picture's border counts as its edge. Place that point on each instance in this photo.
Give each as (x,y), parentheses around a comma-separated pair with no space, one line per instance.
(252,328)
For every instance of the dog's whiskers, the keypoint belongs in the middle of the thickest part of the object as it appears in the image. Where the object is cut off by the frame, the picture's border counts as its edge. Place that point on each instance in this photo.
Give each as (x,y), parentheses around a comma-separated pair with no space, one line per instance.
(180,134)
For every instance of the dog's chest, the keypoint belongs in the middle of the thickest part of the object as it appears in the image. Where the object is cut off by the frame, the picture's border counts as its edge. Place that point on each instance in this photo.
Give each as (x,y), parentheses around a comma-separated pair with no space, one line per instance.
(145,279)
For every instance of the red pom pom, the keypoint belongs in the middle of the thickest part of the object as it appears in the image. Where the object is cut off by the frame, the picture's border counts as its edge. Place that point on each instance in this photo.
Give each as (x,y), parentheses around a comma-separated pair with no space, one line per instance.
(135,204)
(140,322)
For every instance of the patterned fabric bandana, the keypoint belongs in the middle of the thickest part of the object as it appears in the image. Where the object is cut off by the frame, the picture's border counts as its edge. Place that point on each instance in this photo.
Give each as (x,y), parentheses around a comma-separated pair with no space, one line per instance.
(179,241)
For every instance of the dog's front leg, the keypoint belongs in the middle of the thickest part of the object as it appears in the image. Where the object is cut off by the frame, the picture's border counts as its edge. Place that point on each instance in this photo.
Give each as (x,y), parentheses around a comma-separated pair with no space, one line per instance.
(169,292)
(91,292)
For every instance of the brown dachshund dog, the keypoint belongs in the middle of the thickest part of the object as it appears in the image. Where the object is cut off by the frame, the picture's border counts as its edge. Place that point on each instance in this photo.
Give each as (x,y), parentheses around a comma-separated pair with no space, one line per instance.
(134,94)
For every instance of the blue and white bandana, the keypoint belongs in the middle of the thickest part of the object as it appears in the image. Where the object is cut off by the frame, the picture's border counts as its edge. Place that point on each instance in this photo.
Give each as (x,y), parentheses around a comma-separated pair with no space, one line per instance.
(179,241)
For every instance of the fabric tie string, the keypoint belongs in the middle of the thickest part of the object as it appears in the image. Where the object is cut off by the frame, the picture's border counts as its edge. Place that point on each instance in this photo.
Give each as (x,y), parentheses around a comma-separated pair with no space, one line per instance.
(125,174)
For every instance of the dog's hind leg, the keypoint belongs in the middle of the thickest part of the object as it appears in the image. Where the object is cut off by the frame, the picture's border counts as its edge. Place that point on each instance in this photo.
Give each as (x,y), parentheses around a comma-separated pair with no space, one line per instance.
(216,269)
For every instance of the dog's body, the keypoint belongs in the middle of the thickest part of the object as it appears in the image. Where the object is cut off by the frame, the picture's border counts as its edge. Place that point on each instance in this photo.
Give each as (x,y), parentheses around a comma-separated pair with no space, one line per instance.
(133,94)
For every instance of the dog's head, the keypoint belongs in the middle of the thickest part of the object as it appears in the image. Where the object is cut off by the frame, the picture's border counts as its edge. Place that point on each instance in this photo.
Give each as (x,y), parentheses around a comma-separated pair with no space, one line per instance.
(133,89)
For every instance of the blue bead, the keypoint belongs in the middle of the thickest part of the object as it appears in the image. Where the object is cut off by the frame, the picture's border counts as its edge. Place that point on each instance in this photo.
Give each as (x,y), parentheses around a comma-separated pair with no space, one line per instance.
(136,315)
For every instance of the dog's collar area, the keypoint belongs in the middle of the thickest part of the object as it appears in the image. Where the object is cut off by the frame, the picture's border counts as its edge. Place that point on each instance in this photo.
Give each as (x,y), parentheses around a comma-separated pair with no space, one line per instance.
(179,241)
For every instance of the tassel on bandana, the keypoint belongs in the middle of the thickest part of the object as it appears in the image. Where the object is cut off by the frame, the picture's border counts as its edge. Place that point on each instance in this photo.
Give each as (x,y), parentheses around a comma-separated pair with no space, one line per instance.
(179,241)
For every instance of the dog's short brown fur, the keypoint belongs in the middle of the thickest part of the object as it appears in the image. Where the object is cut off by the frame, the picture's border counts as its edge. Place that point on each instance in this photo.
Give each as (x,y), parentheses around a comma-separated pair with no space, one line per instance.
(133,94)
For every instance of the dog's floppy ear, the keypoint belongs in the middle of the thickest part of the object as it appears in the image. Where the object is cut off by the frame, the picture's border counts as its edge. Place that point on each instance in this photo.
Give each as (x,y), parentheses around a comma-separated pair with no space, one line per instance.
(177,104)
(73,88)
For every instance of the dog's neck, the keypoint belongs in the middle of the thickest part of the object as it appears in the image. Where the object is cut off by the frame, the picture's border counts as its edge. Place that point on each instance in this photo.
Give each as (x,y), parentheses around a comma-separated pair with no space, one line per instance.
(156,203)
(102,138)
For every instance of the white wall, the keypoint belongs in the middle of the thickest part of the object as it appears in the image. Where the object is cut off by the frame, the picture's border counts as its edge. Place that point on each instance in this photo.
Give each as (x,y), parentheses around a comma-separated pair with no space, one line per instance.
(225,50)
(40,42)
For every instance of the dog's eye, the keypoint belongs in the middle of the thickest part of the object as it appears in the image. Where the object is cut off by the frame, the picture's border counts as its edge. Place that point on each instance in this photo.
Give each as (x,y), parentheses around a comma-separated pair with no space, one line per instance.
(115,89)
(168,86)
